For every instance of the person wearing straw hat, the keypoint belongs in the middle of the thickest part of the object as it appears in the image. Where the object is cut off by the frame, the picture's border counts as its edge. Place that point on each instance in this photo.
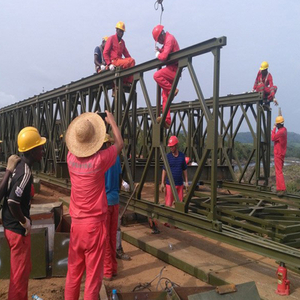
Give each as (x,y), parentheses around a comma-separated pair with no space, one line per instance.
(87,165)
(98,56)
(16,212)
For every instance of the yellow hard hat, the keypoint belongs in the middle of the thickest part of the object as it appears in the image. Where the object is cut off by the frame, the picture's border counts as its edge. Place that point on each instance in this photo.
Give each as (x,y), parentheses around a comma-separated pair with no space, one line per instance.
(279,120)
(105,38)
(29,138)
(264,65)
(120,25)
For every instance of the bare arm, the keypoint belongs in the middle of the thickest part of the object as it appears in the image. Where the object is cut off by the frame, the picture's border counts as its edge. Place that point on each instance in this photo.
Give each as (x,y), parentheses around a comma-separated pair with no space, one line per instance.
(185,176)
(117,134)
(163,176)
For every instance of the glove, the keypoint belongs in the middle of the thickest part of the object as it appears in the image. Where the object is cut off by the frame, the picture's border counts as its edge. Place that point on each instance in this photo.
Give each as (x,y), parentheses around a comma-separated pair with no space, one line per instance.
(275,101)
(12,162)
(125,186)
(186,186)
(157,53)
(111,67)
(102,67)
(27,226)
(162,187)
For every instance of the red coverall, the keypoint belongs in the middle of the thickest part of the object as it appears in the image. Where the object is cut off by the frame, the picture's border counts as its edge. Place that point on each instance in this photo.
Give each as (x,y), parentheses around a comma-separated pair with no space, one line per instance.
(265,84)
(88,210)
(165,77)
(113,52)
(280,140)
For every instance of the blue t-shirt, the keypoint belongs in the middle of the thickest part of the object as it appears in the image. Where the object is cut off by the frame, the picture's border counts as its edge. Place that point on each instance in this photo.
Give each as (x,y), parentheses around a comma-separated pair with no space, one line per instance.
(177,165)
(97,51)
(112,182)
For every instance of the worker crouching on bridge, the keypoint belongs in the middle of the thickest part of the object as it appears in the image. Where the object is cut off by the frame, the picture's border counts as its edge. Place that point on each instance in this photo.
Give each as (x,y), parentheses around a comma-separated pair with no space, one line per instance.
(87,165)
(16,212)
(165,76)
(99,61)
(178,166)
(113,51)
(280,141)
(264,83)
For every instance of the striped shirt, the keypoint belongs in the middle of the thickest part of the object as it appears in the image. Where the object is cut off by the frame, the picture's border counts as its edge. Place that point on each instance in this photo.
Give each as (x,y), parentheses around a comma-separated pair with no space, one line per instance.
(19,193)
(177,165)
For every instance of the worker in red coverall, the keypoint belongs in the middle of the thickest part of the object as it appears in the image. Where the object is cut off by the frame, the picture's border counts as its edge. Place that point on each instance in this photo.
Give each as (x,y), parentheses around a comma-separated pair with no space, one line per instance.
(178,168)
(280,140)
(165,76)
(264,83)
(87,165)
(114,50)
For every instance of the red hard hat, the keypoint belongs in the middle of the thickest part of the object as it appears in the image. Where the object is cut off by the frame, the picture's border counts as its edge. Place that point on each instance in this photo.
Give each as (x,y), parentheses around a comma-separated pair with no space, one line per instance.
(157,31)
(187,159)
(173,141)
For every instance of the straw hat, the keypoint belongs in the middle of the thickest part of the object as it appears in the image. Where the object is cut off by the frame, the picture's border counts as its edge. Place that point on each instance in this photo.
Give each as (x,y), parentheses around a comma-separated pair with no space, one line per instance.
(85,134)
(108,138)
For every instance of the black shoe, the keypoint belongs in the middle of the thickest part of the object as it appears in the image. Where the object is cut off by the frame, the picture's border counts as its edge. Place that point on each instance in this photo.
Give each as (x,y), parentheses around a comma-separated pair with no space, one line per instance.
(281,193)
(122,255)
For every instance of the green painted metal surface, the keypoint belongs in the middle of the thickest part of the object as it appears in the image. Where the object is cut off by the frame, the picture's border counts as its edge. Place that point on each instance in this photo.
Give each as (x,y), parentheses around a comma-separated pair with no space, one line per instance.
(209,127)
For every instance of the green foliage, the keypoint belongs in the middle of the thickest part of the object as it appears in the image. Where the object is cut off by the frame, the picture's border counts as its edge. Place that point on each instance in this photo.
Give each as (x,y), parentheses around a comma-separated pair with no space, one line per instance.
(293,187)
(182,141)
(242,150)
(293,151)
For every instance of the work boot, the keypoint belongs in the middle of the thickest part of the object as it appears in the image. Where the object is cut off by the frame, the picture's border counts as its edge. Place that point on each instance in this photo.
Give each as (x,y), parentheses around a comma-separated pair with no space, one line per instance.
(122,255)
(158,120)
(281,193)
(107,278)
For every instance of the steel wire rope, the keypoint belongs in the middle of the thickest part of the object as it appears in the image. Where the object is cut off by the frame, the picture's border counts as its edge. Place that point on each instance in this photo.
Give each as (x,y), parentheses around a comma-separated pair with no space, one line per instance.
(156,6)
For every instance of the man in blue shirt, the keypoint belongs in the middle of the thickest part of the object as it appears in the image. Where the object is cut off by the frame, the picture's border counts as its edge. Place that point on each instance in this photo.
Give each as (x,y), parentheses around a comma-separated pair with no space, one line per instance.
(178,166)
(98,56)
(113,181)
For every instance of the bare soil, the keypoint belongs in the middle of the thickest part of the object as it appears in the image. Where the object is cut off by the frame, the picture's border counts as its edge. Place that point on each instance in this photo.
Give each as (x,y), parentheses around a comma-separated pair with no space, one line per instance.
(143,271)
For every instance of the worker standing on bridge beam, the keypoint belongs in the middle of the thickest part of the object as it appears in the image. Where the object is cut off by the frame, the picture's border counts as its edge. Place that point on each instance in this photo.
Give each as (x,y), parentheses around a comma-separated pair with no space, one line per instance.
(16,212)
(165,76)
(99,61)
(280,142)
(264,83)
(88,204)
(114,50)
(178,167)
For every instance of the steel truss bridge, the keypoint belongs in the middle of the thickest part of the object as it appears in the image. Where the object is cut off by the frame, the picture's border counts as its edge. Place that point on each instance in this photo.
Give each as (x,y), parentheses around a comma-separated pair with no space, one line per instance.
(247,214)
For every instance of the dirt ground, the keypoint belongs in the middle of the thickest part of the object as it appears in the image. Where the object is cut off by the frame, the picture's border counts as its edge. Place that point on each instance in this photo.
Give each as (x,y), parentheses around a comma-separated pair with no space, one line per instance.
(143,269)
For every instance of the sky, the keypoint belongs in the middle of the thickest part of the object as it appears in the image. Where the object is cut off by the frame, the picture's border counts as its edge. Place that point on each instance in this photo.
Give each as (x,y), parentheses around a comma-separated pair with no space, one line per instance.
(47,44)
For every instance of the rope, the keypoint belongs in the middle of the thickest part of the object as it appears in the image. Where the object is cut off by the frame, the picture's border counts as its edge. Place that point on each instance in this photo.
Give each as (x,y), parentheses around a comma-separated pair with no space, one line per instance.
(156,6)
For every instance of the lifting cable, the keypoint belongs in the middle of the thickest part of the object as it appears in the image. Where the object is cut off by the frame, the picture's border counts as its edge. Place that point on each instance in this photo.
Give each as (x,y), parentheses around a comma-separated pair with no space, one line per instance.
(156,5)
